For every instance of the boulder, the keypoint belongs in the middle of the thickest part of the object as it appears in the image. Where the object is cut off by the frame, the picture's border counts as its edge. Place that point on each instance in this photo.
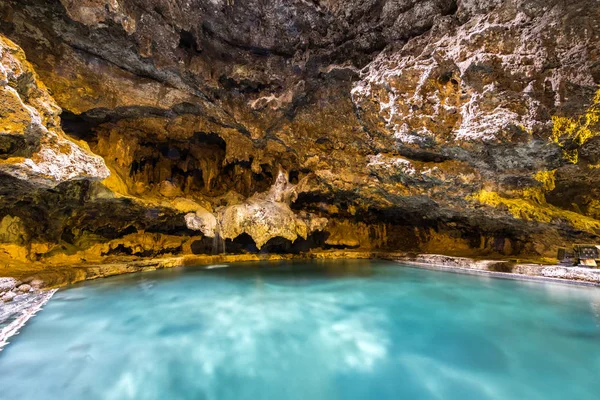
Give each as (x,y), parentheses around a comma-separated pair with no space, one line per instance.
(24,288)
(202,221)
(9,296)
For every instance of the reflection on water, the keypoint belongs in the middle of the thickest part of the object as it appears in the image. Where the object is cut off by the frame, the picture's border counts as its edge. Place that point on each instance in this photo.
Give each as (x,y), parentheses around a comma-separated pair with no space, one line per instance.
(320,330)
(216,266)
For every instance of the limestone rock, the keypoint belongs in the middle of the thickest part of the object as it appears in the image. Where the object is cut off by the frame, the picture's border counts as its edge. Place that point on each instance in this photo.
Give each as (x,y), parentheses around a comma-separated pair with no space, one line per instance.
(8,296)
(24,288)
(268,215)
(7,284)
(202,221)
(168,189)
(37,283)
(32,144)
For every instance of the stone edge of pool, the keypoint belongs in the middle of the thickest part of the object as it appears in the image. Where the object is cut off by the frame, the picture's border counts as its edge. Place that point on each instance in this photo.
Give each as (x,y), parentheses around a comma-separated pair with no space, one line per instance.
(54,276)
(19,311)
(531,272)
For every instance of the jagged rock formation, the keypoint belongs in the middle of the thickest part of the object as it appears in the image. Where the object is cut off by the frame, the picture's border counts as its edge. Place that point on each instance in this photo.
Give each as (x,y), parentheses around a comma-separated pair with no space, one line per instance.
(268,215)
(452,126)
(34,147)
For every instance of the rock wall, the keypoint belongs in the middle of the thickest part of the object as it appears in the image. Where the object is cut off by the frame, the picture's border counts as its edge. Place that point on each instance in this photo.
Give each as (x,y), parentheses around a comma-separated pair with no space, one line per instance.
(34,147)
(464,127)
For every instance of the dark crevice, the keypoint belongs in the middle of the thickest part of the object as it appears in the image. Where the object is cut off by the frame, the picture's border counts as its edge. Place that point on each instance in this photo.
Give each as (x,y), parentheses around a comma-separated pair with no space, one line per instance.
(244,86)
(451,9)
(421,155)
(187,41)
(244,244)
(78,124)
(259,51)
(123,250)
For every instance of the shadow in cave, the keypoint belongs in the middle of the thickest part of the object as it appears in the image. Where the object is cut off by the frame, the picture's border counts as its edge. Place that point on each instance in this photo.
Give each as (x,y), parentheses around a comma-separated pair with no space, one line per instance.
(244,244)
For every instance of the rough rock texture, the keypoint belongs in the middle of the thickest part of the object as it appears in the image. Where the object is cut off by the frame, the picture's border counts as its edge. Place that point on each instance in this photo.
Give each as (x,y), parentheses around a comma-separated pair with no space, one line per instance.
(268,215)
(448,126)
(33,146)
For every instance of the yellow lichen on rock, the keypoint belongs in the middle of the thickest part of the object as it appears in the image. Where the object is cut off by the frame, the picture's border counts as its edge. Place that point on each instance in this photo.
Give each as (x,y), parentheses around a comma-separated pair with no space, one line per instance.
(12,230)
(547,179)
(533,207)
(115,183)
(346,233)
(577,130)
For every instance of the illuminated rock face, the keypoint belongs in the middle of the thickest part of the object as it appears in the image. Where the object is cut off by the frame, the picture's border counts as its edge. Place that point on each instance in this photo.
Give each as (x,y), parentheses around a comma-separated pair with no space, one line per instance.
(33,146)
(436,125)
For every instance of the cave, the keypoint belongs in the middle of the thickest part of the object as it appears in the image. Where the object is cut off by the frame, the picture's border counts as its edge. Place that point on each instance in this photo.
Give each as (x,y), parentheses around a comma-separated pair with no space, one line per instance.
(157,120)
(142,135)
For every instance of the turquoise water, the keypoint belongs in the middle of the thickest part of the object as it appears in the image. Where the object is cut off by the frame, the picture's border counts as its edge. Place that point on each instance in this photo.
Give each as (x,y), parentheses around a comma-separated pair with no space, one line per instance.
(322,330)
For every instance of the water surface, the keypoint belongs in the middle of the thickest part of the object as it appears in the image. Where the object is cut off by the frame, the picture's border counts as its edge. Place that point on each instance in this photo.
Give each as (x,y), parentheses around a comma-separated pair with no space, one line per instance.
(320,330)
